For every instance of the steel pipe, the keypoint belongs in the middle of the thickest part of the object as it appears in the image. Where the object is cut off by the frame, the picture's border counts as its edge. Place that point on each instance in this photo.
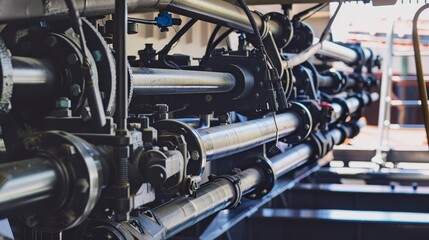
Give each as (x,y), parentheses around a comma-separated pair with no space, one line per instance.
(337,51)
(22,9)
(353,104)
(151,81)
(219,194)
(25,184)
(291,159)
(34,77)
(222,141)
(183,212)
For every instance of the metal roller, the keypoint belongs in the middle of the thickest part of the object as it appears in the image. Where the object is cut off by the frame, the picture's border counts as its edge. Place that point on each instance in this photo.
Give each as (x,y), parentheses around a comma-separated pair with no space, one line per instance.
(353,104)
(34,77)
(226,140)
(151,81)
(183,212)
(219,194)
(27,183)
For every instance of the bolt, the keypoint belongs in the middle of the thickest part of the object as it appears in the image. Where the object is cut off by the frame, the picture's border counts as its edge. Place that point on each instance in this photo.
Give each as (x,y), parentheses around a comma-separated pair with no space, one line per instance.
(31,221)
(195,155)
(307,126)
(298,138)
(264,191)
(68,149)
(75,90)
(109,236)
(261,84)
(51,41)
(72,58)
(256,95)
(258,69)
(252,195)
(269,171)
(97,55)
(303,111)
(62,103)
(82,185)
(208,98)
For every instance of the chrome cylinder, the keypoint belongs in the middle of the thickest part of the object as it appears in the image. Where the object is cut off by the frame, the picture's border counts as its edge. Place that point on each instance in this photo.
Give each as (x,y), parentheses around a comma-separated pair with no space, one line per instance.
(337,51)
(222,141)
(151,81)
(34,77)
(325,81)
(217,195)
(26,183)
(290,159)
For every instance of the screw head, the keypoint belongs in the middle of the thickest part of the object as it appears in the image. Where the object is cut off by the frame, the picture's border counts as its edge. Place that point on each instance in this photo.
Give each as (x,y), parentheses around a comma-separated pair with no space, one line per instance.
(208,98)
(75,90)
(68,149)
(195,155)
(72,59)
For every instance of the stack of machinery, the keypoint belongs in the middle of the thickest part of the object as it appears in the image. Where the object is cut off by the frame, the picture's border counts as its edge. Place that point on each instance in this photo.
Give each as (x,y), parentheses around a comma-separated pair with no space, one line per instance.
(101,146)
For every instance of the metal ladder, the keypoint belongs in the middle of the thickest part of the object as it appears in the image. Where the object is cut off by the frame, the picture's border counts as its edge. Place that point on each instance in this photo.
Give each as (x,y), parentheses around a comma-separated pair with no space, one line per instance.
(386,101)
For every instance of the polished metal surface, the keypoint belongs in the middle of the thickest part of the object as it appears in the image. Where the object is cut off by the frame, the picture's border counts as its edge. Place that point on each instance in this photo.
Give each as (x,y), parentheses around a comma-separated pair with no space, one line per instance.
(152,81)
(290,159)
(183,212)
(38,74)
(24,183)
(226,140)
(353,104)
(337,51)
(215,11)
(18,9)
(346,215)
(325,81)
(337,136)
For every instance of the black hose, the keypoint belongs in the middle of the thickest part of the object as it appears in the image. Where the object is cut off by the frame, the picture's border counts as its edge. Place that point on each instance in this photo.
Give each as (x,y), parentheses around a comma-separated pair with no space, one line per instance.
(419,69)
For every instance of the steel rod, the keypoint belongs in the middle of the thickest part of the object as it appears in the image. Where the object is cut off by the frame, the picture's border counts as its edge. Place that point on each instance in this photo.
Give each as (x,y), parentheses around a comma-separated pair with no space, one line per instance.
(26,183)
(226,140)
(151,81)
(183,212)
(34,77)
(291,159)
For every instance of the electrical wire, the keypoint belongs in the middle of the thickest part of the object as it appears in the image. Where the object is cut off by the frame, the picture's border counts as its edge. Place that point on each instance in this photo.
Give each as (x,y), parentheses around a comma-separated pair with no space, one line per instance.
(308,10)
(164,51)
(310,51)
(331,20)
(220,39)
(419,69)
(211,40)
(268,62)
(314,12)
(143,21)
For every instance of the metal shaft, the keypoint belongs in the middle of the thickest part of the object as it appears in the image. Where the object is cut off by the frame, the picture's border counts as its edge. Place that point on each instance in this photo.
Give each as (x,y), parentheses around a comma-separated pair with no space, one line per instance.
(353,104)
(25,184)
(151,81)
(34,77)
(219,194)
(183,212)
(291,159)
(226,140)
(342,53)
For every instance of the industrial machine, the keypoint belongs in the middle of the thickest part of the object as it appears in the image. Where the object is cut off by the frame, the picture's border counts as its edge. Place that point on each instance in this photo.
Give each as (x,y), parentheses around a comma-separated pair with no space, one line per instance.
(101,146)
